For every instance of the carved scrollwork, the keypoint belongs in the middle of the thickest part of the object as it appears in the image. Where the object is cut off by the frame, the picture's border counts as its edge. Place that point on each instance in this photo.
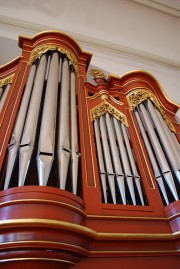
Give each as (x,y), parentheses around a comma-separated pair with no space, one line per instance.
(7,80)
(138,96)
(44,48)
(104,107)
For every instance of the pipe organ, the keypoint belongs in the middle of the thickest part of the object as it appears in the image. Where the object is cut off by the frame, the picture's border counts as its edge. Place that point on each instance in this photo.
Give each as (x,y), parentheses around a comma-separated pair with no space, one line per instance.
(89,173)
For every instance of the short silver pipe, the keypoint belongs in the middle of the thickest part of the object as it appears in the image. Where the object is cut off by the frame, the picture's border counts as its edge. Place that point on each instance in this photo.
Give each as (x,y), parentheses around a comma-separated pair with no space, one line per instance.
(107,157)
(125,160)
(133,167)
(100,159)
(115,157)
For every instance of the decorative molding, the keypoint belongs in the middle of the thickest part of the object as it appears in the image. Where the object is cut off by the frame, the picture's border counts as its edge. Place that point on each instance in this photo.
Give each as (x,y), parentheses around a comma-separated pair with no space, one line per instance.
(38,51)
(42,201)
(20,26)
(6,80)
(138,96)
(35,259)
(169,9)
(104,107)
(48,223)
(83,251)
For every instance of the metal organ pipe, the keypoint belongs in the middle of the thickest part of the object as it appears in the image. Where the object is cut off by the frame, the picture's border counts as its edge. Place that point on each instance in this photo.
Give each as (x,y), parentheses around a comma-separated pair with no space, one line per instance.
(174,144)
(29,132)
(74,132)
(107,156)
(64,126)
(122,151)
(155,167)
(159,152)
(115,157)
(45,155)
(171,136)
(100,159)
(13,146)
(164,139)
(129,180)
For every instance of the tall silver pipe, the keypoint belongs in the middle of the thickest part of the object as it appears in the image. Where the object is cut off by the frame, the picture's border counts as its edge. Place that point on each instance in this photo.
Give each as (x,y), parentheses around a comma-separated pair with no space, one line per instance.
(18,127)
(74,133)
(64,126)
(155,167)
(45,154)
(107,156)
(100,159)
(169,150)
(29,132)
(4,95)
(158,151)
(115,157)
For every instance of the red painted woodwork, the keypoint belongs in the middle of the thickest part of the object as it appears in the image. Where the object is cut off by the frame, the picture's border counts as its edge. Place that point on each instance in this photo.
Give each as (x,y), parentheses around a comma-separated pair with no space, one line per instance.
(45,227)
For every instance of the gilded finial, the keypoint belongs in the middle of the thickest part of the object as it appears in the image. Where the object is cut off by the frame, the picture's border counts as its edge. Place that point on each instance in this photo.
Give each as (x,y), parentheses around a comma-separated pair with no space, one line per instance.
(97,74)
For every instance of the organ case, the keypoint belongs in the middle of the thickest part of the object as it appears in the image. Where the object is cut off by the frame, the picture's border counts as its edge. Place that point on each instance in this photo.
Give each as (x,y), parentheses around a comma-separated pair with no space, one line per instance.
(95,161)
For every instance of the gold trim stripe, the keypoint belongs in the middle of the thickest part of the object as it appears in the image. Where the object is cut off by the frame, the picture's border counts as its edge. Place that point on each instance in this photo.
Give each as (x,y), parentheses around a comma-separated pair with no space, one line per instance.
(87,252)
(38,243)
(127,218)
(23,201)
(130,252)
(5,224)
(7,203)
(36,259)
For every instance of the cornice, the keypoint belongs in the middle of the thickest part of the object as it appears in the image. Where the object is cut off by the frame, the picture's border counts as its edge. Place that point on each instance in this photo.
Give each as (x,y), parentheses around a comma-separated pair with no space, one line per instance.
(161,7)
(30,28)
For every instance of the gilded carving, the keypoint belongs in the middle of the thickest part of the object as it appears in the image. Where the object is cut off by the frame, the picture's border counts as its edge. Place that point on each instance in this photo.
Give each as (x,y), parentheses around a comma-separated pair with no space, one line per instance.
(44,48)
(96,73)
(138,96)
(7,80)
(104,107)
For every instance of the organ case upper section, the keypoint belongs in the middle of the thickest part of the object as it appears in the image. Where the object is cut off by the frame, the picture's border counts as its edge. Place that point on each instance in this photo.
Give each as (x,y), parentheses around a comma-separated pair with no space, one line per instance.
(101,125)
